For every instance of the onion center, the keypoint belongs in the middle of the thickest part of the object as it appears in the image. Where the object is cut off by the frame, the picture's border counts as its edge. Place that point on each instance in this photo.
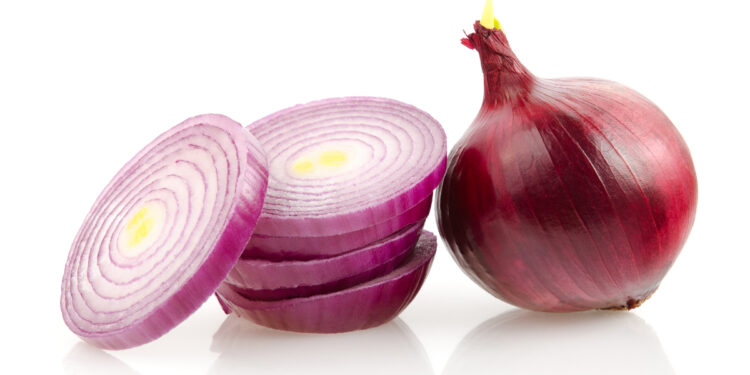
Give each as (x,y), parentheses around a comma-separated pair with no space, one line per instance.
(327,160)
(142,229)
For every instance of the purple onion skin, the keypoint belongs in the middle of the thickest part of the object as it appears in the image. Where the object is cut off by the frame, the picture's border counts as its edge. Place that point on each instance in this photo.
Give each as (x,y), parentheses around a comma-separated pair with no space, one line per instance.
(310,248)
(329,287)
(565,194)
(363,306)
(270,281)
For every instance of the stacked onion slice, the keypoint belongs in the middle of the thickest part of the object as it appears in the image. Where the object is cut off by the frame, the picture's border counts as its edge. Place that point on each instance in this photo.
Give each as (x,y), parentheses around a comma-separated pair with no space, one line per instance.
(364,305)
(336,191)
(350,186)
(164,233)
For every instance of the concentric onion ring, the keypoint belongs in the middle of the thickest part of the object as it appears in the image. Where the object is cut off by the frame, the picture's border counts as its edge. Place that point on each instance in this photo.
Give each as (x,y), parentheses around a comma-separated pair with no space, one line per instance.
(339,165)
(164,233)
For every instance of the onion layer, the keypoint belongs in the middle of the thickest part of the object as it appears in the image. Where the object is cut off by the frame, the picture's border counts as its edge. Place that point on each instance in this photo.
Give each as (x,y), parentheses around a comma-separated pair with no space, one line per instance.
(267,280)
(304,248)
(164,233)
(340,165)
(565,194)
(363,306)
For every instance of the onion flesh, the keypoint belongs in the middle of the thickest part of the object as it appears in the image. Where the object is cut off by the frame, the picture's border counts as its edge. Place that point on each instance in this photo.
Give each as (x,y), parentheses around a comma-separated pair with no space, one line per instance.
(565,194)
(268,280)
(365,305)
(340,165)
(164,233)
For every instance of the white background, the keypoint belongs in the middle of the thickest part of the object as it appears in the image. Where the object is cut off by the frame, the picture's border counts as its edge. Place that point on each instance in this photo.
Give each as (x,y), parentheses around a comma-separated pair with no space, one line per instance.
(84,85)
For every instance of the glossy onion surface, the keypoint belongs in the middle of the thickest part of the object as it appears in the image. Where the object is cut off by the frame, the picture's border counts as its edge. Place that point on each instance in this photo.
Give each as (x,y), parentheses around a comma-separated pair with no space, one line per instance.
(274,280)
(262,247)
(565,194)
(362,306)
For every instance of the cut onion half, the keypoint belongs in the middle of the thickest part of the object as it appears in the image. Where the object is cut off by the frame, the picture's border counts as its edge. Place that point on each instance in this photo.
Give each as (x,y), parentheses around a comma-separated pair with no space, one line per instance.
(363,306)
(307,248)
(164,233)
(268,280)
(340,165)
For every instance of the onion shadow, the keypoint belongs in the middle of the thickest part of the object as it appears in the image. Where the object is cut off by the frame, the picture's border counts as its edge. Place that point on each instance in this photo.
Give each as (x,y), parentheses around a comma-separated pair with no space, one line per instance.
(594,342)
(247,348)
(87,359)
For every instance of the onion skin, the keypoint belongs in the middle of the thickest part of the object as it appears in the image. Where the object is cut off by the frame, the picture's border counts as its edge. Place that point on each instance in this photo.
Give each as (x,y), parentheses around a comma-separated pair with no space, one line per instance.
(267,280)
(565,194)
(308,248)
(363,306)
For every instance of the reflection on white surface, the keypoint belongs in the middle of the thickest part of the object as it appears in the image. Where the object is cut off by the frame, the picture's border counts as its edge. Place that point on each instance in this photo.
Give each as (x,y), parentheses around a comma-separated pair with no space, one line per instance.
(85,359)
(597,342)
(246,348)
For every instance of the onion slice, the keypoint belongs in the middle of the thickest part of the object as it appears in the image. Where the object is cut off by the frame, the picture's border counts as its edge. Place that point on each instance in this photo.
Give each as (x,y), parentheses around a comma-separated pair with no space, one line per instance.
(164,233)
(363,306)
(306,248)
(267,280)
(340,165)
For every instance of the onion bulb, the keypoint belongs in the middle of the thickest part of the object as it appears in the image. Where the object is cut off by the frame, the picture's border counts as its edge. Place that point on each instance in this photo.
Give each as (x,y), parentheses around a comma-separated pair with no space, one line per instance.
(564,194)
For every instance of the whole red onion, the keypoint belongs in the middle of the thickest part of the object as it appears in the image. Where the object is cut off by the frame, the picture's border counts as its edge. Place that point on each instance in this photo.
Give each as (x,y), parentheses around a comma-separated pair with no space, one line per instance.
(565,194)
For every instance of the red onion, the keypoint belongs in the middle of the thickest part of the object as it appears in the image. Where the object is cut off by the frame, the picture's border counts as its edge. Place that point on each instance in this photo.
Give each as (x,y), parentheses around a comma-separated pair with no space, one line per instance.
(164,233)
(268,280)
(301,248)
(564,194)
(341,165)
(365,305)
(345,174)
